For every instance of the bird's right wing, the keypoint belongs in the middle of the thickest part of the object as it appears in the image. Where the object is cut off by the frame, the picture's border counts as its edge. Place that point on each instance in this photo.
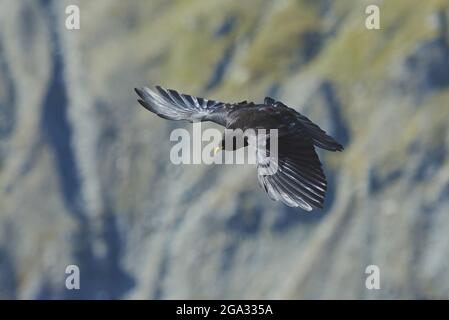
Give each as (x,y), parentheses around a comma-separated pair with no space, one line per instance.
(169,104)
(295,176)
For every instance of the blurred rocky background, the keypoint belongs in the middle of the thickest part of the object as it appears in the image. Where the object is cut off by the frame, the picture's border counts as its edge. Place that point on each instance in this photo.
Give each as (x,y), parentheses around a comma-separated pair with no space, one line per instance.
(85,176)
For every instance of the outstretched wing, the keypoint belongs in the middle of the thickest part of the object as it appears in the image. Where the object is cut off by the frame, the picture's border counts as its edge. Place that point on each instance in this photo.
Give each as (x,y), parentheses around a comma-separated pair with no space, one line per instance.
(319,137)
(169,104)
(295,176)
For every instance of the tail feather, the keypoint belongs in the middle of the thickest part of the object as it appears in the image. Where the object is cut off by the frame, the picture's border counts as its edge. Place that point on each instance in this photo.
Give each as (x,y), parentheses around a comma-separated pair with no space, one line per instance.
(320,138)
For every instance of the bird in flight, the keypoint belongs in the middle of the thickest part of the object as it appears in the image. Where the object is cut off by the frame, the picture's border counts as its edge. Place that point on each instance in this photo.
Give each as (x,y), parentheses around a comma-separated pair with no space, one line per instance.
(299,180)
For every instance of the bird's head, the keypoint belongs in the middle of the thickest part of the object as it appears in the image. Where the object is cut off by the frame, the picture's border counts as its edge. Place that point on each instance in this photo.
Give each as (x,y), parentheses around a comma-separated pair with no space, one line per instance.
(217,149)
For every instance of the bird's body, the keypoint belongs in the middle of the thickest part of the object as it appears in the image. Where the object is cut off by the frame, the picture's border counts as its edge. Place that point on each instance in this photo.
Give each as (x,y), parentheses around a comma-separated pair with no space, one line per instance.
(299,180)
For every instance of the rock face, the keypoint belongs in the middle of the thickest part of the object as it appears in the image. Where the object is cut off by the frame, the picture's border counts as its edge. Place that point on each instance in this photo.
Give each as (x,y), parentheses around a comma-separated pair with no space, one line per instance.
(85,176)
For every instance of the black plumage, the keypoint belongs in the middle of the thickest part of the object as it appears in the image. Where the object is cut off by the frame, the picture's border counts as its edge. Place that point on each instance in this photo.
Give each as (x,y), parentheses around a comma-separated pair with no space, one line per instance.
(299,180)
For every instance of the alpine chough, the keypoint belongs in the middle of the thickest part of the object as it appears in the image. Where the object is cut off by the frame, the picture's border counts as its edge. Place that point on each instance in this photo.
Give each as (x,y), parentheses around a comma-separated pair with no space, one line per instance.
(299,180)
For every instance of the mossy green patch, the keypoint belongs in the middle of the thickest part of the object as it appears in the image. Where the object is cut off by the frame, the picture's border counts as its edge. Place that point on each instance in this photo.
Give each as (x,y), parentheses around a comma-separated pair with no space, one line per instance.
(280,39)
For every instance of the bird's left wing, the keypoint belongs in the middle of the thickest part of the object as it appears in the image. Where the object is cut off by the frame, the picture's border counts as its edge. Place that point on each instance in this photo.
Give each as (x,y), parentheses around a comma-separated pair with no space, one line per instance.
(295,176)
(172,105)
